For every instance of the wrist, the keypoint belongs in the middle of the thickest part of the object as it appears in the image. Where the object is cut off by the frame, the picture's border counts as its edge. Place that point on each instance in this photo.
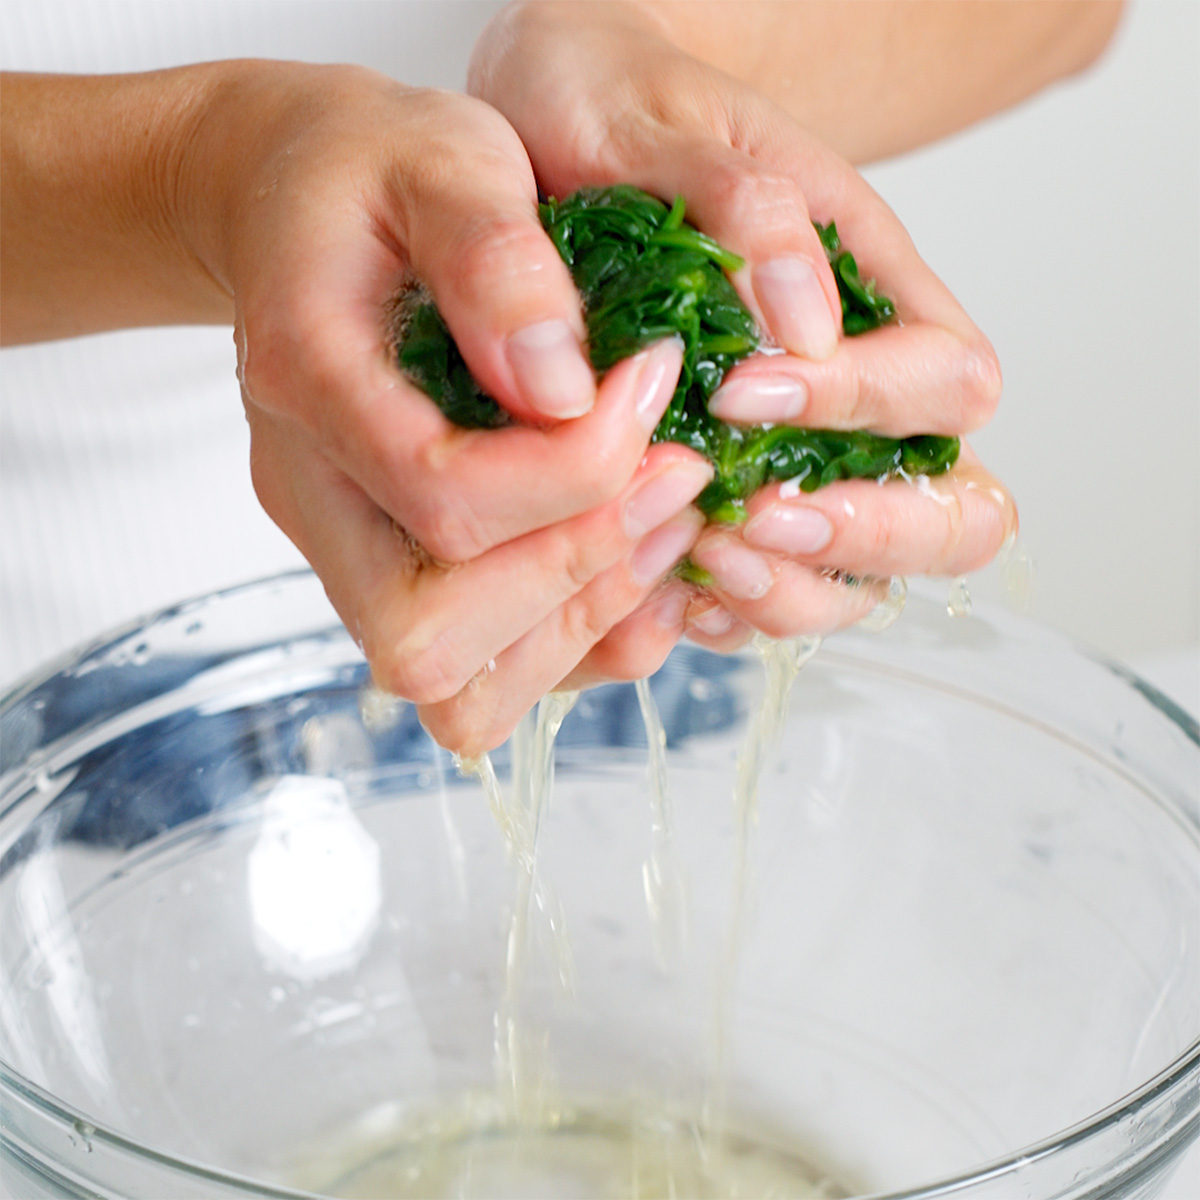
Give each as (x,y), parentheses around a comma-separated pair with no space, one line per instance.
(222,135)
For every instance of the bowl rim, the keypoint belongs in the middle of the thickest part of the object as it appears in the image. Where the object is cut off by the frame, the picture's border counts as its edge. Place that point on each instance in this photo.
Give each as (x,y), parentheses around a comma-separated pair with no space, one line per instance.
(1180,1073)
(1184,1070)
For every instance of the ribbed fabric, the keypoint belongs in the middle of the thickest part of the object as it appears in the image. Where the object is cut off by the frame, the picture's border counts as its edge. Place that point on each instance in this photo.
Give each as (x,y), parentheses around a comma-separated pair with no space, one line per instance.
(124,485)
(124,478)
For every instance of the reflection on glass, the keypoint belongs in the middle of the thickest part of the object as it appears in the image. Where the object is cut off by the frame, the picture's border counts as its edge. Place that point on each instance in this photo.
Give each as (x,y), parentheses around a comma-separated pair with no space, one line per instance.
(314,879)
(56,964)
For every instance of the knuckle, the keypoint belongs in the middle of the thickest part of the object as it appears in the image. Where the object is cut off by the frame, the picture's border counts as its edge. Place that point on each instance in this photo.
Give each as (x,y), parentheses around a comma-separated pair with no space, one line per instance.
(432,177)
(472,722)
(578,570)
(439,512)
(992,523)
(773,622)
(604,472)
(446,725)
(601,468)
(797,619)
(982,383)
(952,540)
(858,402)
(452,533)
(584,623)
(418,668)
(572,558)
(750,197)
(882,535)
(627,659)
(492,250)
(462,731)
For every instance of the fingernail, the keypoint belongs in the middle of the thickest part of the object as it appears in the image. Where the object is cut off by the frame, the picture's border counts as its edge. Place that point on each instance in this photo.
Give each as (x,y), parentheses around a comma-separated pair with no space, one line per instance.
(669,608)
(663,495)
(736,569)
(794,304)
(763,398)
(656,382)
(552,374)
(659,551)
(713,621)
(789,530)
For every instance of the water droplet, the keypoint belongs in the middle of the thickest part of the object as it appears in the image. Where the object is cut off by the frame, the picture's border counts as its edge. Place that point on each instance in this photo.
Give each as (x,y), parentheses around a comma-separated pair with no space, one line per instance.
(141,654)
(193,628)
(86,1133)
(379,710)
(958,603)
(193,963)
(888,610)
(190,1021)
(277,995)
(42,781)
(1017,570)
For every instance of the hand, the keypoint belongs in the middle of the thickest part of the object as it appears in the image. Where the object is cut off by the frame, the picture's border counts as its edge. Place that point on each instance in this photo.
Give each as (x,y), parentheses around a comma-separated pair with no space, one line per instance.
(599,95)
(476,568)
(298,201)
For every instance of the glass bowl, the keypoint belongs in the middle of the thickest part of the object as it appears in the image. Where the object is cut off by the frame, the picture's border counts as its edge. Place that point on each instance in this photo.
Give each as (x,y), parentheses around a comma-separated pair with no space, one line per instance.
(260,938)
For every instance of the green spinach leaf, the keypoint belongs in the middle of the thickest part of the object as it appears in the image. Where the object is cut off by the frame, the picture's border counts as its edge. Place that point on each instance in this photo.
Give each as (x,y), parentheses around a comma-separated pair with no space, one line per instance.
(645,274)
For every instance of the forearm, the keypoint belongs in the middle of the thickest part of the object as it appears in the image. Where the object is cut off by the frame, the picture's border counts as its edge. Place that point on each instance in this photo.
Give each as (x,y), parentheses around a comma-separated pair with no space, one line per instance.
(872,78)
(94,214)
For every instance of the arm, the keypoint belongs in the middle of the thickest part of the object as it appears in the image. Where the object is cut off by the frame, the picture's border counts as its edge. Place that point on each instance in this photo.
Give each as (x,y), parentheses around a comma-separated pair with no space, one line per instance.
(873,78)
(868,78)
(93,176)
(295,201)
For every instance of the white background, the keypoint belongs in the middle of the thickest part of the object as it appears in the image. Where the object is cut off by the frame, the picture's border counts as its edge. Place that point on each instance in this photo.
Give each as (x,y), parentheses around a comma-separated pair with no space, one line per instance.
(1069,228)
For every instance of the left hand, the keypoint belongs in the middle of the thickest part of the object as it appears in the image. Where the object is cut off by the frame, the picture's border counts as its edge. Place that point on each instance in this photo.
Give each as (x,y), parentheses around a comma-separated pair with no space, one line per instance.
(599,95)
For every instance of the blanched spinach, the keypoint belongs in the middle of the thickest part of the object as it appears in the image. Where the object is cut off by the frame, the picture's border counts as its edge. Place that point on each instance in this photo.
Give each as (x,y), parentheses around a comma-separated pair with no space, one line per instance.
(645,274)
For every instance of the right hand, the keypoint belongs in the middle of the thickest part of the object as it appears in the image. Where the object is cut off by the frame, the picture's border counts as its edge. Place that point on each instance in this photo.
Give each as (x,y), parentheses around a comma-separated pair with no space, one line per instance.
(448,553)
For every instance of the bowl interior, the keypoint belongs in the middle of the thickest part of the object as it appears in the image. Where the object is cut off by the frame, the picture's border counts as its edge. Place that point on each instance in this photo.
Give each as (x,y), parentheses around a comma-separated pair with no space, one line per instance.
(246,928)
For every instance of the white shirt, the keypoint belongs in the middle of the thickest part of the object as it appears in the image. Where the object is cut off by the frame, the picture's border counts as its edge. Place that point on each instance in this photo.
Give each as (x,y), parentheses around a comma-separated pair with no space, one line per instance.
(124,476)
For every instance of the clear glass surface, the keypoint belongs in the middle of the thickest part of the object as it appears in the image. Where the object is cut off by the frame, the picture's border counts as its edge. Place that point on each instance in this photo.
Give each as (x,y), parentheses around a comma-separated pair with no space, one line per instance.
(251,945)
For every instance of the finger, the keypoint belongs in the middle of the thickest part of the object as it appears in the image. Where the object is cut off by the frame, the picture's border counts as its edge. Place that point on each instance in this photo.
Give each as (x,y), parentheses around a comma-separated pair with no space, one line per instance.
(426,628)
(761,214)
(637,646)
(470,226)
(946,525)
(481,715)
(469,490)
(710,624)
(779,597)
(461,492)
(435,638)
(931,372)
(898,381)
